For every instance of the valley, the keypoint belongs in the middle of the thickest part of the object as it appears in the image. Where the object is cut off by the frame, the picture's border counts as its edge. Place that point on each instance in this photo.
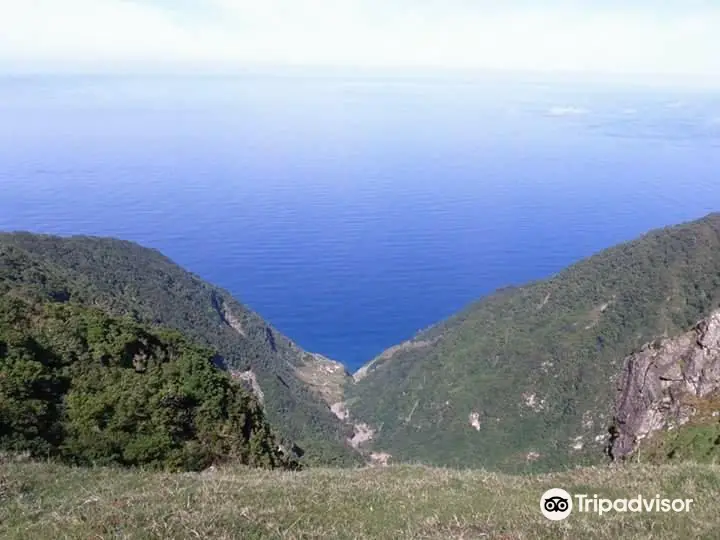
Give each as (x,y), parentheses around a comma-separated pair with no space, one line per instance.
(524,380)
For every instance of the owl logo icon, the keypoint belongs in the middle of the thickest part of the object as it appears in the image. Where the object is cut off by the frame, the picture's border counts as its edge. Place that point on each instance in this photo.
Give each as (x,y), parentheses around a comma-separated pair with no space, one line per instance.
(556,504)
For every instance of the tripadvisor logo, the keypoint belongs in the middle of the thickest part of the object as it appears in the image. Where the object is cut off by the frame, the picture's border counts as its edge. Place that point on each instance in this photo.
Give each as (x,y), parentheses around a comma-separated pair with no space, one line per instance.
(557,504)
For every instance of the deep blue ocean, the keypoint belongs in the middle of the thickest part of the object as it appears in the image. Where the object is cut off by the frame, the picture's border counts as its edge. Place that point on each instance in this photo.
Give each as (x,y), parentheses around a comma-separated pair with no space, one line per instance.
(351,212)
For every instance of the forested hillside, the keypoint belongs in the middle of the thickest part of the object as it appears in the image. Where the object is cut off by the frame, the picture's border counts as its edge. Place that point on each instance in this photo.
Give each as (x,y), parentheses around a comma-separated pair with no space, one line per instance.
(88,389)
(127,280)
(525,378)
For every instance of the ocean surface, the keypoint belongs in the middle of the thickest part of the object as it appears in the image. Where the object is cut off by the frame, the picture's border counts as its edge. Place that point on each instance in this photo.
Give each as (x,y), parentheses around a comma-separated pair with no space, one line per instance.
(351,212)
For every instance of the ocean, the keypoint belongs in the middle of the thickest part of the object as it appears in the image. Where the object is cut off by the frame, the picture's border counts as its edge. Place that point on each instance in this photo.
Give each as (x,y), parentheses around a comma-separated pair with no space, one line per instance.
(351,212)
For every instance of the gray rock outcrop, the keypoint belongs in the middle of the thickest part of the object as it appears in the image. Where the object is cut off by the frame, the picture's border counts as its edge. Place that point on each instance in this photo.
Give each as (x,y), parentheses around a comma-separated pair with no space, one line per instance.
(662,384)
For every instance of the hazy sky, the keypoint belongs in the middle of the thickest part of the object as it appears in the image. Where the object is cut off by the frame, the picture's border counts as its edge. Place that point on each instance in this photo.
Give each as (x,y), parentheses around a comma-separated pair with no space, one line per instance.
(631,36)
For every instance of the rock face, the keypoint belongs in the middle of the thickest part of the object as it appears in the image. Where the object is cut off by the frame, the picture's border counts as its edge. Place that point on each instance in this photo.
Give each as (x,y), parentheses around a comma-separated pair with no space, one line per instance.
(380,459)
(251,383)
(474,420)
(663,384)
(362,434)
(339,409)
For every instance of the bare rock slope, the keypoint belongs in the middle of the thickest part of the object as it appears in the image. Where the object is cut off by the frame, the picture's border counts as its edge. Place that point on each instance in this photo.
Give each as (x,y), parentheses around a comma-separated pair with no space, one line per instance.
(665,384)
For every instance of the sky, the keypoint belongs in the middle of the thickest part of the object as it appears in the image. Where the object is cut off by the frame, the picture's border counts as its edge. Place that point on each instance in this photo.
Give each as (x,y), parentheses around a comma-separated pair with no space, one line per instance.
(663,37)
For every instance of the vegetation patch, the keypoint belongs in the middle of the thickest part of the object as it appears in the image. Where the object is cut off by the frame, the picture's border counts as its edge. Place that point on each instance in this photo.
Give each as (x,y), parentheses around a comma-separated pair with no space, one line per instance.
(698,440)
(88,389)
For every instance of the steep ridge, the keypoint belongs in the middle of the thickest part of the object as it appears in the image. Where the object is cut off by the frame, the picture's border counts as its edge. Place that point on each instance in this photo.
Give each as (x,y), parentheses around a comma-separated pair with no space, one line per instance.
(125,279)
(525,378)
(668,403)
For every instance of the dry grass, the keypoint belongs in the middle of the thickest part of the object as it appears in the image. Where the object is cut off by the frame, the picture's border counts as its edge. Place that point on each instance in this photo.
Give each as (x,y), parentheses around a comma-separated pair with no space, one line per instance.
(48,501)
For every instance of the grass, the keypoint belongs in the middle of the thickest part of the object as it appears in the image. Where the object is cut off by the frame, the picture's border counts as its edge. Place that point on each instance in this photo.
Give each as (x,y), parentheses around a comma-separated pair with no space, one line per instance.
(50,501)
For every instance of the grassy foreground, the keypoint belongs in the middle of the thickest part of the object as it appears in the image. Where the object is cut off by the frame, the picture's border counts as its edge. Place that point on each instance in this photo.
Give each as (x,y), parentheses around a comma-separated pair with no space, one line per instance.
(49,501)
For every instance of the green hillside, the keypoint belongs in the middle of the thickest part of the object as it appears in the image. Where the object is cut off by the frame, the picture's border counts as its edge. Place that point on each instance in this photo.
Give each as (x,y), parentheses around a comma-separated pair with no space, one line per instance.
(525,378)
(88,389)
(124,279)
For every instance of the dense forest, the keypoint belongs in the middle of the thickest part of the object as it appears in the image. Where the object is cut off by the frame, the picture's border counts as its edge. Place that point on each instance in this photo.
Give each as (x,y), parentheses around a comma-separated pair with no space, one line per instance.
(86,388)
(126,280)
(537,364)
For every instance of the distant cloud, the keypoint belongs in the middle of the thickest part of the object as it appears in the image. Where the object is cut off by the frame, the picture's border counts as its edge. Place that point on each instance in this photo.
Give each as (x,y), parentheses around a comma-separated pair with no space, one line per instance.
(677,36)
(567,111)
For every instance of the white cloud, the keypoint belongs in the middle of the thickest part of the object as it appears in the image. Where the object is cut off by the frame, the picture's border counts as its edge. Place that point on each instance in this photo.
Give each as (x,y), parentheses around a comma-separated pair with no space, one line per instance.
(451,34)
(567,111)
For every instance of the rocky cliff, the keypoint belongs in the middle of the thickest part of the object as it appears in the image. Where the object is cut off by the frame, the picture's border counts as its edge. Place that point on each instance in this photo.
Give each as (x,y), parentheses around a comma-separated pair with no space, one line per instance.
(666,384)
